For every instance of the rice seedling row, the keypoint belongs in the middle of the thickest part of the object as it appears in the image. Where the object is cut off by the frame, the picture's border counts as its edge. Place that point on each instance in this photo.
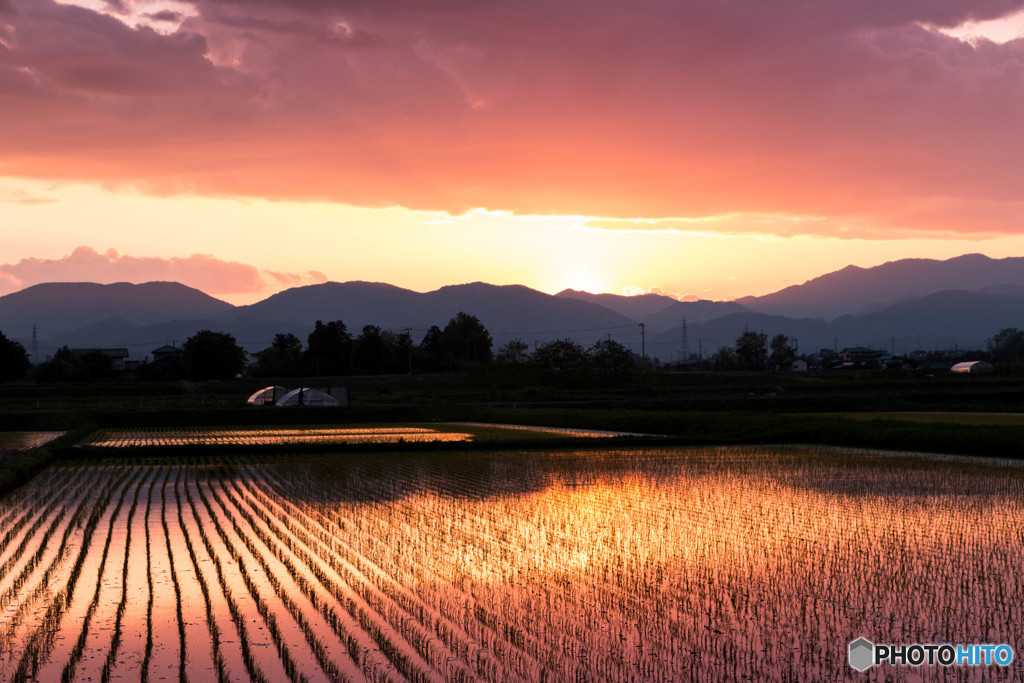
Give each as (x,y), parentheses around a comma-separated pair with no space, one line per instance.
(41,635)
(254,668)
(257,583)
(446,631)
(369,604)
(793,548)
(285,587)
(364,633)
(704,564)
(69,670)
(19,600)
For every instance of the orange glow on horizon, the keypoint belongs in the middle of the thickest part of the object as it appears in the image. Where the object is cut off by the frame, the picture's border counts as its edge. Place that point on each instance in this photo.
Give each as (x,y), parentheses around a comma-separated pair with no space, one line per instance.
(243,250)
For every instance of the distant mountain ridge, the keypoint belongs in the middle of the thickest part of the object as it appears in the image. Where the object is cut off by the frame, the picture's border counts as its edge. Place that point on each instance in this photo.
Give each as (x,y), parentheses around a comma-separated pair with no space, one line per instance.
(59,307)
(853,289)
(504,309)
(950,319)
(635,307)
(908,303)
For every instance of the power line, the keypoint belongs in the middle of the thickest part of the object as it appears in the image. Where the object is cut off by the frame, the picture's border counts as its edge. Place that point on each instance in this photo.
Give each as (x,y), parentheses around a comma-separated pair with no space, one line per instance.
(592,329)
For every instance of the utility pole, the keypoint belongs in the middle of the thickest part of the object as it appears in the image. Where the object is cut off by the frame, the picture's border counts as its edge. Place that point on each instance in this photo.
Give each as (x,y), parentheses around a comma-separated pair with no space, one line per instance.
(408,336)
(35,345)
(643,340)
(684,346)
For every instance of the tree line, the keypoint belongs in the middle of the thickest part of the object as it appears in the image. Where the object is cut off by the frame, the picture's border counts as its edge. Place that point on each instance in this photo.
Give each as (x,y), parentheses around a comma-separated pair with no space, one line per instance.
(754,351)
(463,343)
(332,350)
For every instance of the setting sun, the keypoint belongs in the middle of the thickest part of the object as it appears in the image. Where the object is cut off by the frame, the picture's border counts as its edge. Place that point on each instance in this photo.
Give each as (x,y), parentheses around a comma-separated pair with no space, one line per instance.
(581,278)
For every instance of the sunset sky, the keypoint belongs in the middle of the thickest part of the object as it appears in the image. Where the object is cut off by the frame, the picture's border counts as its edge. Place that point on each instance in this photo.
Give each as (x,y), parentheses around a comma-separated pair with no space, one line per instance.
(702,148)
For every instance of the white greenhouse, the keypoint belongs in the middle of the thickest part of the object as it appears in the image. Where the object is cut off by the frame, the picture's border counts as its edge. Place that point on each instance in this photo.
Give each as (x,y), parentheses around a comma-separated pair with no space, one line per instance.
(305,396)
(974,367)
(268,396)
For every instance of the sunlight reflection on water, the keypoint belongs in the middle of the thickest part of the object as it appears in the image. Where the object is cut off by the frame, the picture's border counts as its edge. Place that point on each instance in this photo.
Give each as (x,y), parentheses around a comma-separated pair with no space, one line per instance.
(573,564)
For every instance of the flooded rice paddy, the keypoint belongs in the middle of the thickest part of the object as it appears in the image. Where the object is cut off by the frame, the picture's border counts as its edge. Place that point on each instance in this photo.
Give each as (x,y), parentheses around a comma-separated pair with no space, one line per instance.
(264,437)
(21,441)
(615,564)
(277,436)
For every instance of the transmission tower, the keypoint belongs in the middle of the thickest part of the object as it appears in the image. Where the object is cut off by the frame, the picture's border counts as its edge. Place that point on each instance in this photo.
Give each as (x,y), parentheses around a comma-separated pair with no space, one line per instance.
(684,345)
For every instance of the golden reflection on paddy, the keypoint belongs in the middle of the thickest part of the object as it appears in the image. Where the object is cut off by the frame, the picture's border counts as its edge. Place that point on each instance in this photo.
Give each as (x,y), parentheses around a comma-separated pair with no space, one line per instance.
(264,437)
(657,564)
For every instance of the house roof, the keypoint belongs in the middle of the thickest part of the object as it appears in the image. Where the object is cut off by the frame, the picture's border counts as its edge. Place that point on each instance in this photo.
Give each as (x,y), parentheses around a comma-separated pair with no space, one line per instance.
(166,348)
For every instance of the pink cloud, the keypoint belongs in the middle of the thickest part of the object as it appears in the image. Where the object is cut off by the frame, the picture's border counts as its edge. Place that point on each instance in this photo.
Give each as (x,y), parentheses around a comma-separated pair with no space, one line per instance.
(853,112)
(202,271)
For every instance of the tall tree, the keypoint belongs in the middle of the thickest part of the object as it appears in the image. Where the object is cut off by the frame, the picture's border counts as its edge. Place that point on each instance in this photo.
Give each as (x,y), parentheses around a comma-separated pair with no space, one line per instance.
(515,351)
(369,351)
(14,363)
(562,356)
(1007,346)
(609,357)
(783,353)
(213,355)
(430,355)
(69,366)
(329,348)
(466,341)
(751,350)
(724,359)
(283,358)
(60,367)
(377,351)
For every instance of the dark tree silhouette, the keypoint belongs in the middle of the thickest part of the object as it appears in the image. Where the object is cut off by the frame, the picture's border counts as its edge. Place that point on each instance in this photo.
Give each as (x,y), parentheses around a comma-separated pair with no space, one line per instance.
(751,352)
(68,366)
(466,341)
(213,355)
(612,359)
(724,359)
(1007,346)
(283,358)
(376,351)
(783,354)
(369,353)
(515,351)
(14,363)
(430,355)
(329,348)
(58,368)
(562,356)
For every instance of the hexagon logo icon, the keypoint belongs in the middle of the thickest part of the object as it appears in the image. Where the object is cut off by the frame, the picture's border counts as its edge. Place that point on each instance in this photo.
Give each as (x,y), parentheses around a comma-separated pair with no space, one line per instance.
(862,654)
